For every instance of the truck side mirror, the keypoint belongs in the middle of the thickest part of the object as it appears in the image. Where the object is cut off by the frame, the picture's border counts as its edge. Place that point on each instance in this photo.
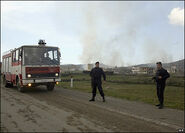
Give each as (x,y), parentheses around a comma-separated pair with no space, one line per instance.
(59,53)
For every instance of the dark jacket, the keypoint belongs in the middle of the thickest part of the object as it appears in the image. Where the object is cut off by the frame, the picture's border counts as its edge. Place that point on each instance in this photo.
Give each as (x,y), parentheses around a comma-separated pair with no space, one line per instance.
(163,73)
(96,74)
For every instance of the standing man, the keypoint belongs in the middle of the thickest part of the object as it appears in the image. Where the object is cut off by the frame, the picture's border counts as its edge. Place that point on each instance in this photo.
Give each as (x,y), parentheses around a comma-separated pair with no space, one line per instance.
(160,78)
(96,74)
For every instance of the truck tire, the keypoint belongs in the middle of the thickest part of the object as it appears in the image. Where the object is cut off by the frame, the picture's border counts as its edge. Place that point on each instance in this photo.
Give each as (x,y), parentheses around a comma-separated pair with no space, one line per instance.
(19,87)
(5,82)
(11,84)
(50,86)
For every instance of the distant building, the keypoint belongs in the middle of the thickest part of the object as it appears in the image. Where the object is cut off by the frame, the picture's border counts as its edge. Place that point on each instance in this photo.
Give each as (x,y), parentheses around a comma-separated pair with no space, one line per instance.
(176,67)
(142,70)
(71,68)
(173,69)
(89,67)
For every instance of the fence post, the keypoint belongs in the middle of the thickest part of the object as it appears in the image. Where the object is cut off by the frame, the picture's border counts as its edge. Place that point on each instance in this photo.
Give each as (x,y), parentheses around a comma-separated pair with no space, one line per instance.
(71,81)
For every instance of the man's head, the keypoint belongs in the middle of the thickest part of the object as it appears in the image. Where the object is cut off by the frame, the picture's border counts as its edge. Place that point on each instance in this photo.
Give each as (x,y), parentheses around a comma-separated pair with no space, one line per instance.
(159,65)
(97,64)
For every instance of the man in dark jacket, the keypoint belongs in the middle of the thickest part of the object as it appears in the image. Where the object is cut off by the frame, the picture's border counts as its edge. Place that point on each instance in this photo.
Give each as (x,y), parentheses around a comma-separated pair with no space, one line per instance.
(160,78)
(96,74)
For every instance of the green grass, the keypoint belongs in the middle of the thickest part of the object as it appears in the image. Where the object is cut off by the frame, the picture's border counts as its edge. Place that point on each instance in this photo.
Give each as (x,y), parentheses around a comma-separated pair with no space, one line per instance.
(131,90)
(129,79)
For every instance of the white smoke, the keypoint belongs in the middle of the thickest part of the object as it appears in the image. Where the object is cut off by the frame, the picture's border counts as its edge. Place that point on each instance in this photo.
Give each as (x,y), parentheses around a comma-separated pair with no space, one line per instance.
(101,40)
(154,52)
(176,16)
(112,32)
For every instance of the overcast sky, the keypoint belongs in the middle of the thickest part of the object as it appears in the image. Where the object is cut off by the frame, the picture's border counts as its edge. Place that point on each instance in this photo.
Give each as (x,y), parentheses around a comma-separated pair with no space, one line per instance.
(115,33)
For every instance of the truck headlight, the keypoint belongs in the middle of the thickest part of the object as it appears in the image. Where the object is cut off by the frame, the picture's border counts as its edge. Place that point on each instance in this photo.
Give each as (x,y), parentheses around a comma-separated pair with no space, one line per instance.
(56,74)
(29,75)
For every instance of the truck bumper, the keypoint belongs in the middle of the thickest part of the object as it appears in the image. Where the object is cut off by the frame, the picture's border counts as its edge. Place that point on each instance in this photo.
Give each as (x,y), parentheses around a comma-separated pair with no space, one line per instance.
(39,81)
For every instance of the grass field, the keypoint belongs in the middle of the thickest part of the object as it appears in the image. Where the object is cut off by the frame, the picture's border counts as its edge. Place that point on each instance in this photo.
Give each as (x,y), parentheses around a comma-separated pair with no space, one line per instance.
(133,79)
(138,88)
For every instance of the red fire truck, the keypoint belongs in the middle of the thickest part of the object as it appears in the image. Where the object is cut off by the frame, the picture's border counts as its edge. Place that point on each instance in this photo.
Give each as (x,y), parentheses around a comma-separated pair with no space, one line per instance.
(31,65)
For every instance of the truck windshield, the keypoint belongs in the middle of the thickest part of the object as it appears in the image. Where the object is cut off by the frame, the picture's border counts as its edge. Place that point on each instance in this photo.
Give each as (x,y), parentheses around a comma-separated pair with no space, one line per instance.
(41,56)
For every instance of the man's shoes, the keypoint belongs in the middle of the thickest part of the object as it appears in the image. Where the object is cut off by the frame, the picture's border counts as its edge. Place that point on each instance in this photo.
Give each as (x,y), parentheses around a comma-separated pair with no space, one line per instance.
(103,99)
(157,105)
(91,100)
(160,107)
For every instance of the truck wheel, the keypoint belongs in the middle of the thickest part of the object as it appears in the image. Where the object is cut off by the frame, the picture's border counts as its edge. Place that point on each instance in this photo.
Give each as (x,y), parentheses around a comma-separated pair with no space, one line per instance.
(11,84)
(19,87)
(50,86)
(5,82)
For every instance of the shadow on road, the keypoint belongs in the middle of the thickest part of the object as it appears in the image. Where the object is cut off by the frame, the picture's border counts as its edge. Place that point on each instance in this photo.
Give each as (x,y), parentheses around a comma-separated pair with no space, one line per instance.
(38,89)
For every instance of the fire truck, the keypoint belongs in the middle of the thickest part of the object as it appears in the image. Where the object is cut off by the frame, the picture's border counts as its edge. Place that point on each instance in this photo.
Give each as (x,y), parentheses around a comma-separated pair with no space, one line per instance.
(31,65)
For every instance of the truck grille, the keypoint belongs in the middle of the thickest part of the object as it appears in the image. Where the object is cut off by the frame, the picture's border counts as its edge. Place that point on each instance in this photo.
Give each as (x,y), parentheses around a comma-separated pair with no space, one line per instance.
(42,72)
(42,75)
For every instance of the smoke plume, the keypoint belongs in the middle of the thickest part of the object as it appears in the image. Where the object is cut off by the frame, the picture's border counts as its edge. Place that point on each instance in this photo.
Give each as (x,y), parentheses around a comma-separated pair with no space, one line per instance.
(112,32)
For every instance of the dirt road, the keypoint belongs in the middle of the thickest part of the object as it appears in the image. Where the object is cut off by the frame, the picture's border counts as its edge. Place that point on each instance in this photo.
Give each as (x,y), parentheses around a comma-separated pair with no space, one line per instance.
(69,110)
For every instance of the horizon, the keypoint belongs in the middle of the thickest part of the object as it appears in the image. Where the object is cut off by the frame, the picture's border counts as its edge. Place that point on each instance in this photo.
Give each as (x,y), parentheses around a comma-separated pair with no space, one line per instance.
(125,66)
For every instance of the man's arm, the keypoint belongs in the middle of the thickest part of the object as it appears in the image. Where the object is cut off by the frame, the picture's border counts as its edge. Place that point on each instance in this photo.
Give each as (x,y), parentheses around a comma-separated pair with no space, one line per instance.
(104,77)
(166,75)
(91,72)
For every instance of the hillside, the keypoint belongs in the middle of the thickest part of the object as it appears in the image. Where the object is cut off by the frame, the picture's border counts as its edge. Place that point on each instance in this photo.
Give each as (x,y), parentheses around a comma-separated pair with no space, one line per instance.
(179,66)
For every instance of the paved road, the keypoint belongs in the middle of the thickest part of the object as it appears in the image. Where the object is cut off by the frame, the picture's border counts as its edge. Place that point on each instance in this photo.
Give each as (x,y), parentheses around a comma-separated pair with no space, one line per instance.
(69,110)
